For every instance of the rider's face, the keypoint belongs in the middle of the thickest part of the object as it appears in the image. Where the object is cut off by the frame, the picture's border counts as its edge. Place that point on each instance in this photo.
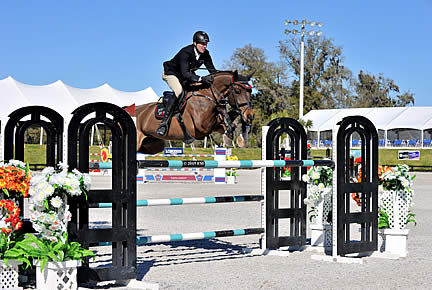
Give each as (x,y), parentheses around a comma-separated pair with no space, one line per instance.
(201,46)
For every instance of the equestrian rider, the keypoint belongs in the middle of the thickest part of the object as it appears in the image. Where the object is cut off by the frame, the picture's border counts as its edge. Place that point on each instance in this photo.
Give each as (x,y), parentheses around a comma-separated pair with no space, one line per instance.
(180,71)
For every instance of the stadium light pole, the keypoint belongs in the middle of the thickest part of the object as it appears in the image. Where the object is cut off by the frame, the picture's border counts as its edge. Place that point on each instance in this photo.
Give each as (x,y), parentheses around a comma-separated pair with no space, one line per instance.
(302,33)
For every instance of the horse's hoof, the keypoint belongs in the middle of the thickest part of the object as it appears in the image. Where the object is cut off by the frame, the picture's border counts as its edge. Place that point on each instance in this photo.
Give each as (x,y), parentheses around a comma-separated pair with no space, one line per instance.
(188,140)
(241,142)
(227,141)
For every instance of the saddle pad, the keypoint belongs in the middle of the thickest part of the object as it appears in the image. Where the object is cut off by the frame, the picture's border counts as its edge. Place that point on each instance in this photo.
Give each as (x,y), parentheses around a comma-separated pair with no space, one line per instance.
(159,110)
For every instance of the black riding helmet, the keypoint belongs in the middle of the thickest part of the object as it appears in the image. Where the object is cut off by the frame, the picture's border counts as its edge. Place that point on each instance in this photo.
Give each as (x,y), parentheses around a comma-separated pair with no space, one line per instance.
(201,36)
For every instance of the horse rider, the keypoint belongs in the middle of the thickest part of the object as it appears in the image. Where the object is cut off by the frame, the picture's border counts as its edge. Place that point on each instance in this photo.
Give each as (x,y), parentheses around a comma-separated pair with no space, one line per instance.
(180,71)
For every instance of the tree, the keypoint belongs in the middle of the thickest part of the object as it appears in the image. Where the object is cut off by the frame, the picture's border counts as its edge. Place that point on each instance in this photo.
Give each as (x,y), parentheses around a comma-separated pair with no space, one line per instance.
(270,82)
(271,93)
(326,80)
(378,91)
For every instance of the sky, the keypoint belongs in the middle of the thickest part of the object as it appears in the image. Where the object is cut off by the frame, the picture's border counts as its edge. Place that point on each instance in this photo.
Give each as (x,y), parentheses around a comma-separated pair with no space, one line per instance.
(124,43)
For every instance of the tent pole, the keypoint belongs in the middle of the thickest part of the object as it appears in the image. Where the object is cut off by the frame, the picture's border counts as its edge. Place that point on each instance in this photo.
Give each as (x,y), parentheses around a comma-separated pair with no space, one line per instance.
(41,136)
(92,136)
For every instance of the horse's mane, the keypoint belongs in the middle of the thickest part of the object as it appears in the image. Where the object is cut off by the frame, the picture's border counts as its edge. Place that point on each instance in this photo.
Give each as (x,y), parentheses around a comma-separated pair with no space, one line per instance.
(221,72)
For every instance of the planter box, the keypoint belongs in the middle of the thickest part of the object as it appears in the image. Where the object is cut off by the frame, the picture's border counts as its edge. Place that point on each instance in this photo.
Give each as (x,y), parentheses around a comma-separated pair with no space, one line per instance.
(57,275)
(393,241)
(321,235)
(396,204)
(9,275)
(231,179)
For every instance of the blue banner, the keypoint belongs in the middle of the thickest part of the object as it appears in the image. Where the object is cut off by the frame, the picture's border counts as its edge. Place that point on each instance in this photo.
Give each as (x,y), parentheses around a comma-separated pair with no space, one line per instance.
(173,151)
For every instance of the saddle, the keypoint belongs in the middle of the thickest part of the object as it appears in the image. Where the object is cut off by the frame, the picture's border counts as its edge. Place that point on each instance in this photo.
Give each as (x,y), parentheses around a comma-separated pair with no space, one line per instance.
(160,109)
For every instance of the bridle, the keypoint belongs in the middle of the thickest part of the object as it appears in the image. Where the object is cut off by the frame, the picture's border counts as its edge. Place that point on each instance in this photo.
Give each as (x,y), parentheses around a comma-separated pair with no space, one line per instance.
(220,99)
(238,106)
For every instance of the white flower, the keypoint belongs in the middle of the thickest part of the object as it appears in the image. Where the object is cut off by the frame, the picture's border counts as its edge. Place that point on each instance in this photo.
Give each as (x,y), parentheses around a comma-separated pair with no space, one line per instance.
(305,178)
(63,166)
(321,186)
(56,202)
(47,171)
(405,182)
(315,175)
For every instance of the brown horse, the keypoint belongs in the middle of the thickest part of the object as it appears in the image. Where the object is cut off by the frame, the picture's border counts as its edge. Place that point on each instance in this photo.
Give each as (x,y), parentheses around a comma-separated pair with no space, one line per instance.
(204,112)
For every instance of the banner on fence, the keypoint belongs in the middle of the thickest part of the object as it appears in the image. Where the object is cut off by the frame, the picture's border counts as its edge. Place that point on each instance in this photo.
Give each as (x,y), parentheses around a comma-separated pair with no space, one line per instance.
(408,155)
(173,151)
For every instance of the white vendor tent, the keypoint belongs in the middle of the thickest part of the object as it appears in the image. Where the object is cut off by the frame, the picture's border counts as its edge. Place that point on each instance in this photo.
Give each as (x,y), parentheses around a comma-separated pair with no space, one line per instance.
(63,98)
(397,126)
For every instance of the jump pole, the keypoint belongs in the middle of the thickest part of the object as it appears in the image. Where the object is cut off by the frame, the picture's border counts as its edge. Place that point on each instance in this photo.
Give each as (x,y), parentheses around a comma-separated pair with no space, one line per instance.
(143,240)
(193,200)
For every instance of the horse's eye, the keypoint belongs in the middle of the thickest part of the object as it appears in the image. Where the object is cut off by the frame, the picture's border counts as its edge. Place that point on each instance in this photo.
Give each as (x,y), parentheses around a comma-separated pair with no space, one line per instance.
(237,90)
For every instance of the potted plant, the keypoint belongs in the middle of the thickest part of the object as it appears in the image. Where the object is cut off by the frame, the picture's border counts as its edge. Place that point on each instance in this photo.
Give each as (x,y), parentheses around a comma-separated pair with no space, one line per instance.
(231,173)
(14,183)
(319,184)
(395,199)
(11,256)
(55,257)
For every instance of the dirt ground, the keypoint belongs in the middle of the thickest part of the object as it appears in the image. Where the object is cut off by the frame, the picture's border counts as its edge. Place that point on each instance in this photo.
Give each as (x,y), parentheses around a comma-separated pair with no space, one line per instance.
(221,264)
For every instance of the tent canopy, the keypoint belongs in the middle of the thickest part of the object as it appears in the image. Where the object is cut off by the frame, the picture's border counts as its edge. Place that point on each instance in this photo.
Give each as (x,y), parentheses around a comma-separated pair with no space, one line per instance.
(63,98)
(387,118)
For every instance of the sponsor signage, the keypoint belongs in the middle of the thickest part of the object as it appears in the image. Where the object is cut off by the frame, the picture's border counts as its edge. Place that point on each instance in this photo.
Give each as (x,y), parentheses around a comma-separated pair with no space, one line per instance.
(104,154)
(173,151)
(408,155)
(356,153)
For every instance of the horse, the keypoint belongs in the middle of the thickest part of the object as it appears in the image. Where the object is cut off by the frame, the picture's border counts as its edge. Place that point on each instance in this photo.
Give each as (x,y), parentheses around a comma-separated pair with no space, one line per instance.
(204,112)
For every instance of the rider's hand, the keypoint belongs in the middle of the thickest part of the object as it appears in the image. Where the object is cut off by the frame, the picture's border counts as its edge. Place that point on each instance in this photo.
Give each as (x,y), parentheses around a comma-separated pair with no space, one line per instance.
(209,79)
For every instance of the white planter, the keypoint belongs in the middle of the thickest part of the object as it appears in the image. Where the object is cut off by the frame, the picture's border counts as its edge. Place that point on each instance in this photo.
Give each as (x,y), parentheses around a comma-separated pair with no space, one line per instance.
(396,204)
(57,275)
(231,179)
(321,235)
(9,275)
(393,241)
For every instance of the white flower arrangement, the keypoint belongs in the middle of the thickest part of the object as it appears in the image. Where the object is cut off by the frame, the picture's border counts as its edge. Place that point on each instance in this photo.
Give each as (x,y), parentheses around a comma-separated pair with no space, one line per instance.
(49,212)
(319,180)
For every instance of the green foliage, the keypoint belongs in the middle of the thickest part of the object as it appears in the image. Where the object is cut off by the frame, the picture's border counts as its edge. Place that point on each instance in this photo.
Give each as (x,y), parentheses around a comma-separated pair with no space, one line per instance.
(9,250)
(44,250)
(328,83)
(379,91)
(411,218)
(383,220)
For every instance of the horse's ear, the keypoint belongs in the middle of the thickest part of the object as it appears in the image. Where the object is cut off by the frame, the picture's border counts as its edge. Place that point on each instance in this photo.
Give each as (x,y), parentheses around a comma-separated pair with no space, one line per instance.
(235,75)
(251,74)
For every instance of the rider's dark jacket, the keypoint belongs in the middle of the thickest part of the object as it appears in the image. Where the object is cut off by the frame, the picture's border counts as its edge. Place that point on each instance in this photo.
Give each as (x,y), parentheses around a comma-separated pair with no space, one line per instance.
(184,64)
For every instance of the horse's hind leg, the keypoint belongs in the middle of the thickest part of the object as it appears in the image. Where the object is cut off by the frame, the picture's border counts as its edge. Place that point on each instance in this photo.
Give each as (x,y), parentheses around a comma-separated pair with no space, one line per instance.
(151,145)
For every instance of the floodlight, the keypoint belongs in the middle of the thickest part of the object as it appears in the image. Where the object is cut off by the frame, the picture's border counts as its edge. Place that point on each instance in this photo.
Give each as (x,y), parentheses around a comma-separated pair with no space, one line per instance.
(319,33)
(312,23)
(311,33)
(295,22)
(319,24)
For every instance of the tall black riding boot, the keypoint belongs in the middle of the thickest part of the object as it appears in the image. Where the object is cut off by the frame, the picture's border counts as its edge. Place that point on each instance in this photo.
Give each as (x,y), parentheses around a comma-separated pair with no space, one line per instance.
(164,125)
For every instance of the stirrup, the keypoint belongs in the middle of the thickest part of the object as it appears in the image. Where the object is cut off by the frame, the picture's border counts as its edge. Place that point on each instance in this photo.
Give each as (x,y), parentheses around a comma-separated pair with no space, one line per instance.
(162,130)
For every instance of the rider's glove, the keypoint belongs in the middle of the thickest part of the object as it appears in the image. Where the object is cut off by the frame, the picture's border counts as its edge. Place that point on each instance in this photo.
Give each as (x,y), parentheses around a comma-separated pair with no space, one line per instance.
(207,79)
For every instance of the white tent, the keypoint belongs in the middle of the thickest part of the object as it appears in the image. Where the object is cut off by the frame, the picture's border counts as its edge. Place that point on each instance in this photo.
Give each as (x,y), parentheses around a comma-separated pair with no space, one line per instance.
(63,98)
(388,119)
